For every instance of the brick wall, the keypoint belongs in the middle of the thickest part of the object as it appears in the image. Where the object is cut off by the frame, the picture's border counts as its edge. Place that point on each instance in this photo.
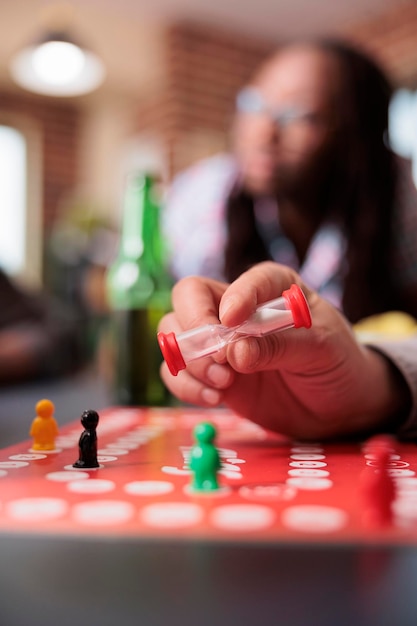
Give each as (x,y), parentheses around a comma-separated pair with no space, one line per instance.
(392,38)
(59,129)
(204,69)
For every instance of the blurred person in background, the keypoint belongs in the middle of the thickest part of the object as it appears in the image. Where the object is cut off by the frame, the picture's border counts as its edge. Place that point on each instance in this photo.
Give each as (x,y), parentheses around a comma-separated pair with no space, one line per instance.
(39,337)
(312,184)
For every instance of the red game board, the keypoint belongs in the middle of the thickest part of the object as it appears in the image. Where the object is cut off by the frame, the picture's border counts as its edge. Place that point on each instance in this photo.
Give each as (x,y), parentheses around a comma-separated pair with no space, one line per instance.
(272,489)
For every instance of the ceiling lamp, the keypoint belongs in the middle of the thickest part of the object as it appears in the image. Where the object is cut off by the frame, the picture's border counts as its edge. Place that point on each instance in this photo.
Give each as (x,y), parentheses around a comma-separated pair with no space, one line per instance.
(57,65)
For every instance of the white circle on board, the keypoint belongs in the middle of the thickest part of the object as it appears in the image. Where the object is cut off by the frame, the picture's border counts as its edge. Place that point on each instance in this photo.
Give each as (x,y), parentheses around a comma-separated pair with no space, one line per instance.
(115,451)
(103,512)
(314,518)
(65,477)
(96,485)
(175,471)
(313,473)
(172,515)
(13,464)
(36,509)
(30,456)
(307,457)
(397,464)
(44,452)
(103,458)
(242,517)
(148,488)
(133,438)
(273,493)
(389,465)
(307,483)
(405,507)
(372,456)
(406,484)
(3,473)
(401,472)
(127,445)
(230,467)
(308,464)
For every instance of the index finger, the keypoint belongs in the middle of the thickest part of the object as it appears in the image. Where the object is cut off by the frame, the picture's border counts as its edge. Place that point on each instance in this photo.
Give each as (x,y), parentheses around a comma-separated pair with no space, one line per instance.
(196,301)
(259,284)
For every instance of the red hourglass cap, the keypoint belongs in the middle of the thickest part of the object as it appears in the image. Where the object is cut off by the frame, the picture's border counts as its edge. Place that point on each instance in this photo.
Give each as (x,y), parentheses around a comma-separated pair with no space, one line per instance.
(298,306)
(171,352)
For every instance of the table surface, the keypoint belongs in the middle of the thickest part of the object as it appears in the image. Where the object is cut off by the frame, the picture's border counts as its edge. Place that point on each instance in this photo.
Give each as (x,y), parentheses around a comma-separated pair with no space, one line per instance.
(89,578)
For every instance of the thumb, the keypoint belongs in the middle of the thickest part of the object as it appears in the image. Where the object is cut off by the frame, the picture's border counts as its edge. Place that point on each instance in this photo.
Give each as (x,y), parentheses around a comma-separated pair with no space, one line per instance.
(296,349)
(274,351)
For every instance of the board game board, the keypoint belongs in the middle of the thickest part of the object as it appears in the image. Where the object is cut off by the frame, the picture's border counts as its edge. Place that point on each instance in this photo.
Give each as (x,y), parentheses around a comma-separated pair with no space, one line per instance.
(272,489)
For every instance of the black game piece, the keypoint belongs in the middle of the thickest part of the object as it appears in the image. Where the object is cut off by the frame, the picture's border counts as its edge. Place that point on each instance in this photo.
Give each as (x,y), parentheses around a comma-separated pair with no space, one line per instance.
(87,444)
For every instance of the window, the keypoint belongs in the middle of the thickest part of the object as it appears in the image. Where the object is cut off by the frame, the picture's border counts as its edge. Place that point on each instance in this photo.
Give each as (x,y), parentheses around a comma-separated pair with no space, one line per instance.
(403,126)
(20,198)
(12,200)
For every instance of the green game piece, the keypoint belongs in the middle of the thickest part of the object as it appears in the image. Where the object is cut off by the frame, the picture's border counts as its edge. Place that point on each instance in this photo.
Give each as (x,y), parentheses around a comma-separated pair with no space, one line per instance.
(204,459)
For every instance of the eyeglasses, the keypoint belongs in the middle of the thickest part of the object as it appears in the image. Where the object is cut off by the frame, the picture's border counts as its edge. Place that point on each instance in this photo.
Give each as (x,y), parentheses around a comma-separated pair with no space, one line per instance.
(250,100)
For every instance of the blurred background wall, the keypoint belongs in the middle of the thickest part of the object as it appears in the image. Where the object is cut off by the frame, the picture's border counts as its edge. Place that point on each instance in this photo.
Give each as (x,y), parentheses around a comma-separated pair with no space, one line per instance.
(173,69)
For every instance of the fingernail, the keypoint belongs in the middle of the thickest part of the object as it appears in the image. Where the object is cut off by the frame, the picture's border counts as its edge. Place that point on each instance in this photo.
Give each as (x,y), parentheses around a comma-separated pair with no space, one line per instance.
(254,352)
(225,306)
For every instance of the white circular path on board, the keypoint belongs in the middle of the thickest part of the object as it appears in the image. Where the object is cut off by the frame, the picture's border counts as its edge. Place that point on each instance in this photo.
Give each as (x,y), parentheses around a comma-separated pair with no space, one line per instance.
(247,517)
(33,510)
(103,512)
(314,518)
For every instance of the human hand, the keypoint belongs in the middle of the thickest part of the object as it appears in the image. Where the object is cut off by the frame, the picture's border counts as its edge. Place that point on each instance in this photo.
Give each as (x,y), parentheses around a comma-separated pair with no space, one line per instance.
(311,383)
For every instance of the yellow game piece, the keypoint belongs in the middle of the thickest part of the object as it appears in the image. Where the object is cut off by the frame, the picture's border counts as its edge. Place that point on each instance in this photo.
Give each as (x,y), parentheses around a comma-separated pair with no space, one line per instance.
(44,428)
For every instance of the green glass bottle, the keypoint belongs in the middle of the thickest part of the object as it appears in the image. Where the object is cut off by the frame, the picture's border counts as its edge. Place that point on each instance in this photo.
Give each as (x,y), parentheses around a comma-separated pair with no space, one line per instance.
(139,294)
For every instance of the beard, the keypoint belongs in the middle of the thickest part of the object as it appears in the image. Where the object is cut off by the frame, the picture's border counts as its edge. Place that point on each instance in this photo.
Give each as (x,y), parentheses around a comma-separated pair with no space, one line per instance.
(291,177)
